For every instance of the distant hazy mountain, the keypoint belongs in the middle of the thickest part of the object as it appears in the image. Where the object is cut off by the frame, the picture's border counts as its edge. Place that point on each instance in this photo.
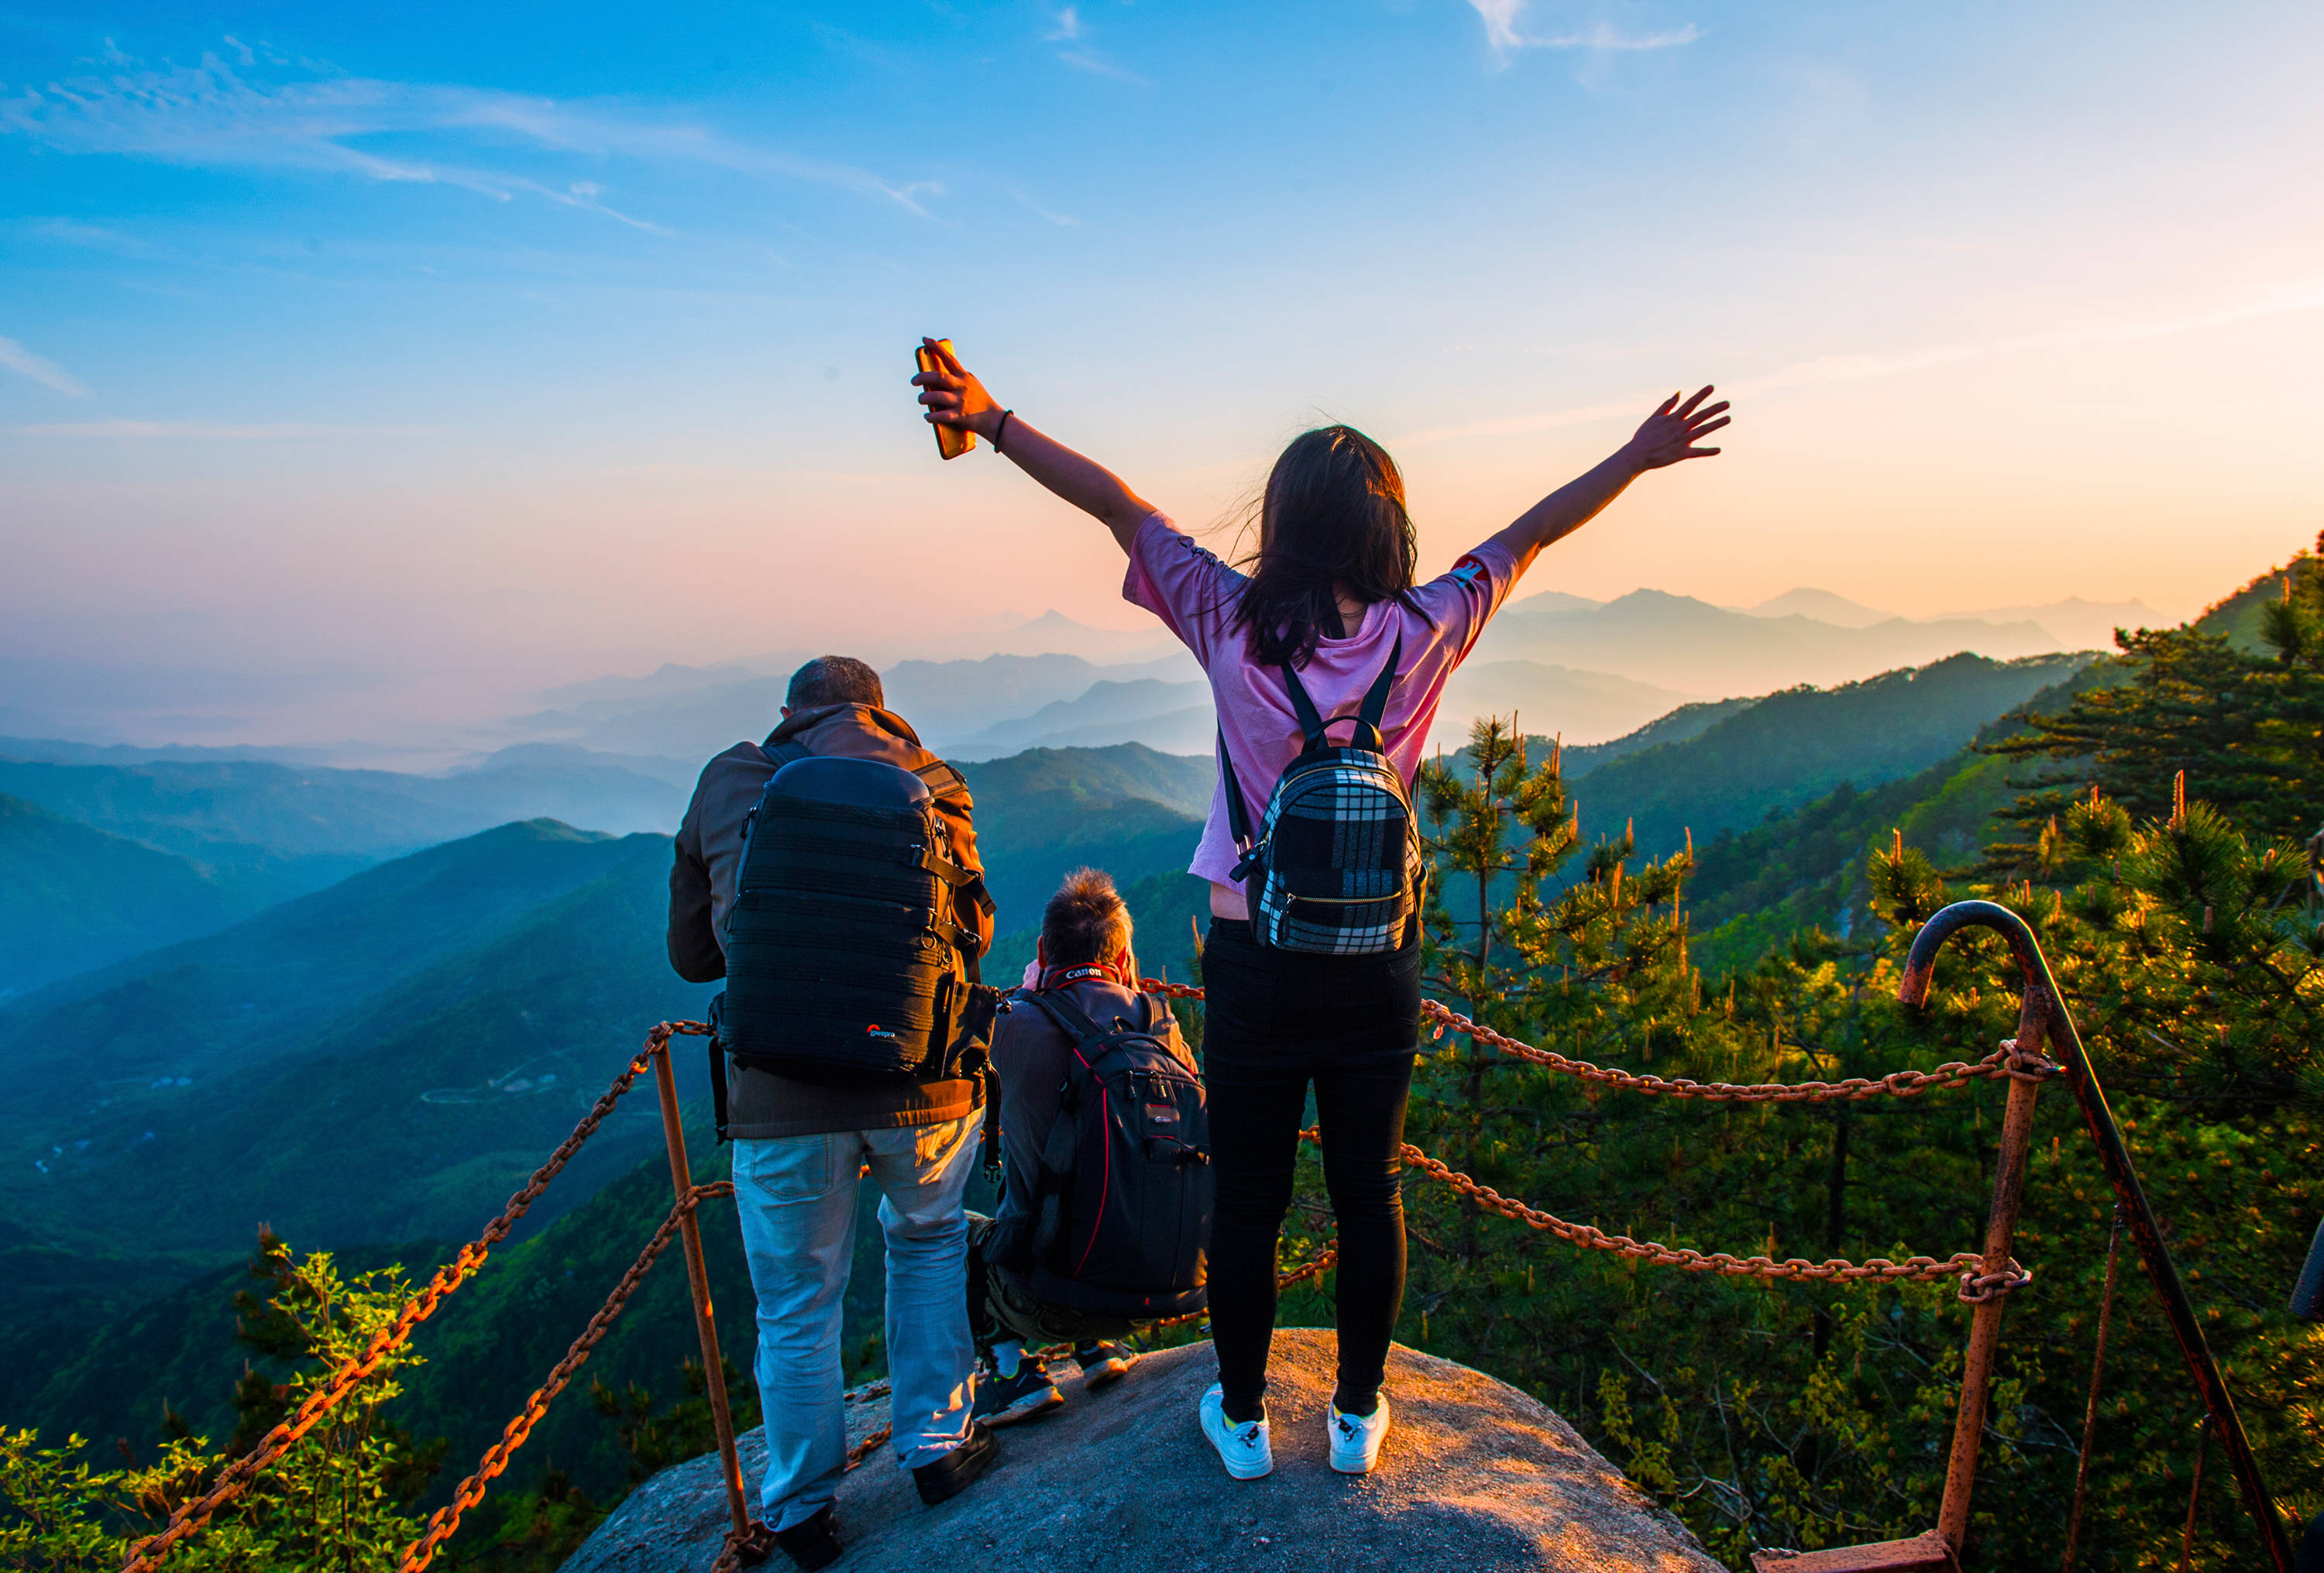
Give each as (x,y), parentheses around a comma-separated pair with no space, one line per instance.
(302,827)
(2079,624)
(1550,601)
(1689,645)
(552,765)
(64,751)
(73,898)
(1584,707)
(1053,630)
(1173,717)
(1821,605)
(2075,623)
(683,714)
(664,682)
(969,704)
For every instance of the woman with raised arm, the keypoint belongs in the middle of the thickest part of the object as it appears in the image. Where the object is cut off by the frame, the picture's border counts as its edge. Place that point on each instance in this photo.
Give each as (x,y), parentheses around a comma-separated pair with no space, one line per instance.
(1323,621)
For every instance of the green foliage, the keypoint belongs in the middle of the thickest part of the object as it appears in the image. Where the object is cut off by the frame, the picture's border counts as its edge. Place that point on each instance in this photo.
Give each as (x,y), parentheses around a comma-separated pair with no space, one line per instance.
(656,1436)
(336,1502)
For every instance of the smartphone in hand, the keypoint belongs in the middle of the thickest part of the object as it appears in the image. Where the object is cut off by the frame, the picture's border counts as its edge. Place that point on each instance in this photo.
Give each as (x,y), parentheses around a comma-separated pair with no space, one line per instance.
(952,441)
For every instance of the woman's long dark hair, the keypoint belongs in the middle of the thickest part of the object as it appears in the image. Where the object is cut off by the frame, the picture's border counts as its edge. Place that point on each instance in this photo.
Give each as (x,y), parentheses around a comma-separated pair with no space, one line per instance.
(1333,515)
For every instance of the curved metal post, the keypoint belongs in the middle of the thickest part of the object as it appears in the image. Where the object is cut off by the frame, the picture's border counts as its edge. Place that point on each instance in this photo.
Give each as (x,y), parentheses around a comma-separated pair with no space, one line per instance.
(2044,1009)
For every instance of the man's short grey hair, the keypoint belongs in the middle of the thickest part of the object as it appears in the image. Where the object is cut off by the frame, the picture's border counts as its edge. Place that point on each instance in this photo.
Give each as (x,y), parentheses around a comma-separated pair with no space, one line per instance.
(835,680)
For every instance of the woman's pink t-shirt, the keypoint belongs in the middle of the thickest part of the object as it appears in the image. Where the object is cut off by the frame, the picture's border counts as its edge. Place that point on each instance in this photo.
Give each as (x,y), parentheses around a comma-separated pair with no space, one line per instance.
(1194,594)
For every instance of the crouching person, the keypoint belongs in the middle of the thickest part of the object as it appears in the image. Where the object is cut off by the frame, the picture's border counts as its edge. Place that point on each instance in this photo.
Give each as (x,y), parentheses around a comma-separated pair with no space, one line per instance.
(1105,1203)
(830,876)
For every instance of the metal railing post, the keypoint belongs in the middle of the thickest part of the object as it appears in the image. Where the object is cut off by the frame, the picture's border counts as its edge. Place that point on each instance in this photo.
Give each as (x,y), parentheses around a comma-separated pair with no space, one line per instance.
(2114,1157)
(1992,1293)
(698,1278)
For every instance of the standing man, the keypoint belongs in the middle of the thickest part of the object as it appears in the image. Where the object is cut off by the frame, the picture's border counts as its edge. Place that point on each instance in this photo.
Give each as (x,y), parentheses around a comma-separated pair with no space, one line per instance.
(800,1144)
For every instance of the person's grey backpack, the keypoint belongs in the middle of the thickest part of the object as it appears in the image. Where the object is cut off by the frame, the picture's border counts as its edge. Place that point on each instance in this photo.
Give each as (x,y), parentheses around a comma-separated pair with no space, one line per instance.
(1337,859)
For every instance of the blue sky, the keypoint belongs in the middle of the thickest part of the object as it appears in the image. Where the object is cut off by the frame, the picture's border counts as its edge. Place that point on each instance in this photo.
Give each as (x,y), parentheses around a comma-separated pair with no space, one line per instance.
(444,349)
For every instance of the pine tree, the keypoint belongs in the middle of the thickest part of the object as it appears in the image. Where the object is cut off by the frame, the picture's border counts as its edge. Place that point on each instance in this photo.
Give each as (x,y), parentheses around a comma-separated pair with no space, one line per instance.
(2242,730)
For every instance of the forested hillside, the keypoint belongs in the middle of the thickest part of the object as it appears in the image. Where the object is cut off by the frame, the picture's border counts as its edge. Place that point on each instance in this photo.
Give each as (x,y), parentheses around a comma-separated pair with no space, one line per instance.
(1127,809)
(1794,745)
(73,897)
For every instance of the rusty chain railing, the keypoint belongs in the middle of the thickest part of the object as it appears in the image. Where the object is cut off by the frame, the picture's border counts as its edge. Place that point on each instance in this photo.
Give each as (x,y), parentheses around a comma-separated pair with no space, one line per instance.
(239,1476)
(2006,1061)
(445,1520)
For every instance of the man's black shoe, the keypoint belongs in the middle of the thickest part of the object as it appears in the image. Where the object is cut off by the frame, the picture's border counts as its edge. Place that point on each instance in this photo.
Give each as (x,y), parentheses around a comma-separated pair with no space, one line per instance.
(958,1470)
(812,1543)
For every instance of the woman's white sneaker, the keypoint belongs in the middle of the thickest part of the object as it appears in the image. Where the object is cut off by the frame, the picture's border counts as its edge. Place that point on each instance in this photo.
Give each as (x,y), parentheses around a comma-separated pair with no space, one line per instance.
(1356,1438)
(1243,1448)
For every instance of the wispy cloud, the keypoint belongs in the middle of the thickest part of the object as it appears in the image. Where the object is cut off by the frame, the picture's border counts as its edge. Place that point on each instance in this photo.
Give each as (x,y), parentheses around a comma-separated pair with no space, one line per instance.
(1504,30)
(208,115)
(1063,220)
(73,233)
(1097,65)
(1067,27)
(209,431)
(40,370)
(2297,296)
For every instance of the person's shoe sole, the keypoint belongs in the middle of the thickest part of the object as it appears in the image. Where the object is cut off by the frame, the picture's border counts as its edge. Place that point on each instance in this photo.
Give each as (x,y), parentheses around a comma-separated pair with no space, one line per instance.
(1032,1406)
(811,1545)
(1106,1373)
(959,1469)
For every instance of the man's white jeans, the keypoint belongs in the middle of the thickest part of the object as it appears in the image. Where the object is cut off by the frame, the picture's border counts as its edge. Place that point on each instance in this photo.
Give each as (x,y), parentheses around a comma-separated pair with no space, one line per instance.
(796,1198)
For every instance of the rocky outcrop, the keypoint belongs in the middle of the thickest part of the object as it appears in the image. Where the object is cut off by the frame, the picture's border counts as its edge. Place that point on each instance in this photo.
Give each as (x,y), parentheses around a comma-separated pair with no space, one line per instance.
(1476,1477)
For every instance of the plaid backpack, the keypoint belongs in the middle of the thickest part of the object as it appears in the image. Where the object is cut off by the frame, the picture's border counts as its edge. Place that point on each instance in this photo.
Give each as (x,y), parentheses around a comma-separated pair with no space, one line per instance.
(1338,855)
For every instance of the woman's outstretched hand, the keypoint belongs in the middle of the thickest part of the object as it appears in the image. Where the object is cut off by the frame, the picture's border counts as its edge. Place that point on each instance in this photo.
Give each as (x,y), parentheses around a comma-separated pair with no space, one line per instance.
(954,398)
(1670,433)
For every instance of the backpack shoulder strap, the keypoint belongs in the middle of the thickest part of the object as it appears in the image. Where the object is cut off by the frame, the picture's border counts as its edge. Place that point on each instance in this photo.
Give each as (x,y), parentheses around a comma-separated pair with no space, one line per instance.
(1087,1035)
(945,784)
(944,781)
(1311,723)
(1057,1152)
(1375,705)
(1238,816)
(782,754)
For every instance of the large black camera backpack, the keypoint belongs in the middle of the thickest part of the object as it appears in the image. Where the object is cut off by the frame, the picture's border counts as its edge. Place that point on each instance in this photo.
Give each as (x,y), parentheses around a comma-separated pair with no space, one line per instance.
(1123,1196)
(843,962)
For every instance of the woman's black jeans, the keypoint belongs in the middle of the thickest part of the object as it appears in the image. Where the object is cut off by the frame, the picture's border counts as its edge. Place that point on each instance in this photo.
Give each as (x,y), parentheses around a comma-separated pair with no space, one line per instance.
(1274,1021)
